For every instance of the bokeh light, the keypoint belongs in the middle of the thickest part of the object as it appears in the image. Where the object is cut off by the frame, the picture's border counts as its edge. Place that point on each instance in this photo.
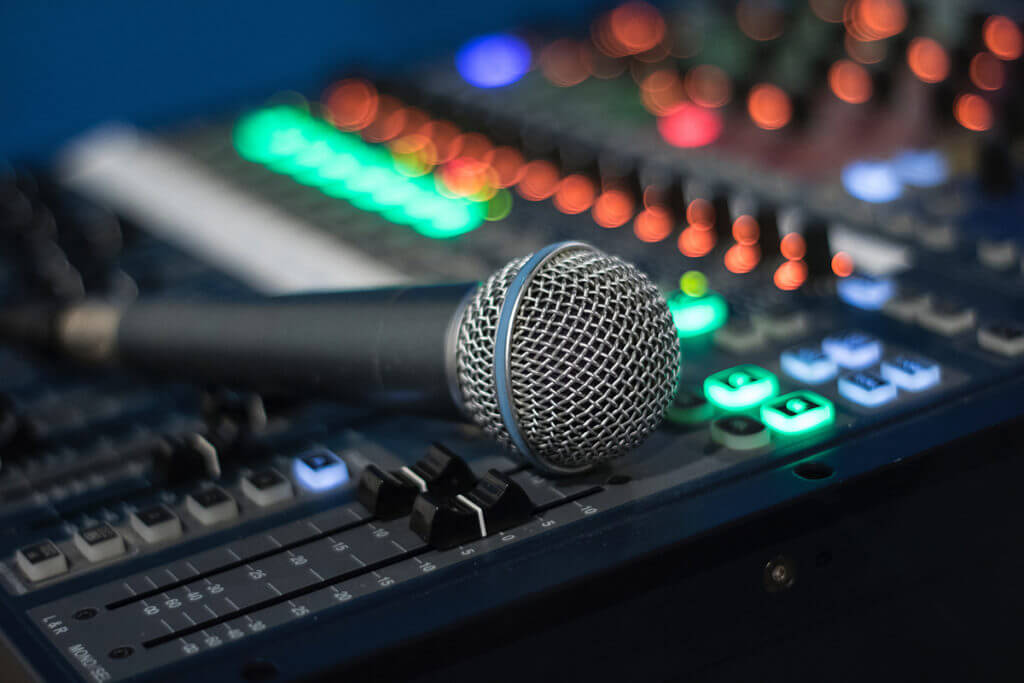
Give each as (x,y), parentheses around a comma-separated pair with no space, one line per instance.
(661,92)
(928,60)
(792,247)
(493,61)
(612,208)
(842,264)
(653,224)
(575,194)
(790,275)
(508,165)
(566,62)
(700,212)
(760,20)
(351,104)
(973,112)
(689,125)
(871,181)
(769,106)
(868,20)
(1003,37)
(708,86)
(540,180)
(987,72)
(745,230)
(696,241)
(850,81)
(742,258)
(388,122)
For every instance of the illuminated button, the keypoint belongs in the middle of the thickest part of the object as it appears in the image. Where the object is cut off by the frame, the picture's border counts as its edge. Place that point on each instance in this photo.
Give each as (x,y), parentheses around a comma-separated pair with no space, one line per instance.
(739,335)
(266,487)
(997,254)
(211,506)
(1006,338)
(947,316)
(866,388)
(99,542)
(853,350)
(808,364)
(743,386)
(41,560)
(907,304)
(320,470)
(912,373)
(156,524)
(865,292)
(739,432)
(798,412)
(697,315)
(689,407)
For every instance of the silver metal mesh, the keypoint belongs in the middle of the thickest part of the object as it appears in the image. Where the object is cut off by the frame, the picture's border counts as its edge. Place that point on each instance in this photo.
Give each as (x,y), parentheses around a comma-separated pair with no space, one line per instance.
(593,363)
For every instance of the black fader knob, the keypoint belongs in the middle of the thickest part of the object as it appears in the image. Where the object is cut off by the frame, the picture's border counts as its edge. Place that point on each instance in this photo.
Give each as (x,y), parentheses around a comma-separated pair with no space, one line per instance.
(818,254)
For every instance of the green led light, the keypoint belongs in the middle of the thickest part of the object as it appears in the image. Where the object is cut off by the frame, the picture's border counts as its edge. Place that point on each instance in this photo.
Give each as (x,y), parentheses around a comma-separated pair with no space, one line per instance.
(741,387)
(697,316)
(693,283)
(499,205)
(798,412)
(292,142)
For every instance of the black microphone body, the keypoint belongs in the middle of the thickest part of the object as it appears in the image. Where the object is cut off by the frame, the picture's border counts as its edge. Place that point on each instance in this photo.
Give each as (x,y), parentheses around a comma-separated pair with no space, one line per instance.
(390,347)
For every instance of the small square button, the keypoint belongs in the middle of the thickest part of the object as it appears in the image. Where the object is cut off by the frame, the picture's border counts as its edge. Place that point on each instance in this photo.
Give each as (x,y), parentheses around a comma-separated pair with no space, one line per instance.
(689,407)
(908,304)
(266,487)
(912,373)
(808,364)
(947,317)
(211,506)
(739,335)
(156,524)
(41,560)
(741,387)
(99,542)
(798,412)
(320,470)
(863,291)
(854,350)
(740,433)
(867,388)
(1006,338)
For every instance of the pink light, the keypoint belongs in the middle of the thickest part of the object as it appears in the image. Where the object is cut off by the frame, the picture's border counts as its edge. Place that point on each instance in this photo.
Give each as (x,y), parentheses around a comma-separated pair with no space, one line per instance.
(689,125)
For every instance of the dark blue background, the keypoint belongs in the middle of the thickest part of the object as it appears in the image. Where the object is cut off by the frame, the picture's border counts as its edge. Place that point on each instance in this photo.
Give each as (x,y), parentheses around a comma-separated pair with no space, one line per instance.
(65,66)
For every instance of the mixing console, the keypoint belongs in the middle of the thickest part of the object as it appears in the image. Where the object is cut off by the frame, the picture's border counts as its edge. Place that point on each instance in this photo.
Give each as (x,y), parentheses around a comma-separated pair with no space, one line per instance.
(827,193)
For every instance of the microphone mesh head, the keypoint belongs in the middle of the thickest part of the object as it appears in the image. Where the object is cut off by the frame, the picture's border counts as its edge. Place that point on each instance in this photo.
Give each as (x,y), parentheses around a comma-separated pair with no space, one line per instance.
(593,357)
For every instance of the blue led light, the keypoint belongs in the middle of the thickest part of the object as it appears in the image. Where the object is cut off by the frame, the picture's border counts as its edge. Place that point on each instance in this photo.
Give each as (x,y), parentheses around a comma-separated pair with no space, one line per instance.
(854,350)
(808,365)
(912,373)
(872,181)
(921,167)
(866,388)
(493,61)
(865,292)
(319,470)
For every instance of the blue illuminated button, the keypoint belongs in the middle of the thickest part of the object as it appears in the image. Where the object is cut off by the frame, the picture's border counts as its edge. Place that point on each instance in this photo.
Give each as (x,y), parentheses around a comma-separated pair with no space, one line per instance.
(319,470)
(808,364)
(912,373)
(866,388)
(854,350)
(798,412)
(743,386)
(864,291)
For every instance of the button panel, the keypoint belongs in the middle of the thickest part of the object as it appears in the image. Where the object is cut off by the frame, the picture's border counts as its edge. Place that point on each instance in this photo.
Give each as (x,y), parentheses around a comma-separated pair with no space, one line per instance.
(156,524)
(808,364)
(866,388)
(798,412)
(741,387)
(911,373)
(99,542)
(853,350)
(320,470)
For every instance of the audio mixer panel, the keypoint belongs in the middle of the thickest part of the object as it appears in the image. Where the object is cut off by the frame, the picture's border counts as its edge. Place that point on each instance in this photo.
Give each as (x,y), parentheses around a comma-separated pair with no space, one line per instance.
(827,194)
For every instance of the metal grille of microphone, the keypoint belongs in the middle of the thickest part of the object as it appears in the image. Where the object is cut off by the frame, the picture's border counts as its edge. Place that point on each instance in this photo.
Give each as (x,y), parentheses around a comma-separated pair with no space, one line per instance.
(592,360)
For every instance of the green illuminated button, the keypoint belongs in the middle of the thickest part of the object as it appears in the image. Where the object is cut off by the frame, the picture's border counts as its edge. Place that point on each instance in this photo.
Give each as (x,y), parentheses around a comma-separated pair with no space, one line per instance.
(697,315)
(689,407)
(740,433)
(798,412)
(743,386)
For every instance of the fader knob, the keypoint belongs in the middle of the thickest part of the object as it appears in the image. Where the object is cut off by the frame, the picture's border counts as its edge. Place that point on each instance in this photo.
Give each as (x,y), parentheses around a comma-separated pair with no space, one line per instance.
(818,253)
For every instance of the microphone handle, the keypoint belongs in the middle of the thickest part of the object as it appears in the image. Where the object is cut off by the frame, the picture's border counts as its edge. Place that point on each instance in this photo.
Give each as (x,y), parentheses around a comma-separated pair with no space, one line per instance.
(392,347)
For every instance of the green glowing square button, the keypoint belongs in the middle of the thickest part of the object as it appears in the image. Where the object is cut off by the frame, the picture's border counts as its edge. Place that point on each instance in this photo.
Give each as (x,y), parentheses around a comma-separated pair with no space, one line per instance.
(741,387)
(798,412)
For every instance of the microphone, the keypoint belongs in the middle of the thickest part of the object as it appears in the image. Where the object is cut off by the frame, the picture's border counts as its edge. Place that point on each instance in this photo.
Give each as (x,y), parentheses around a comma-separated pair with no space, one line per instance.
(568,356)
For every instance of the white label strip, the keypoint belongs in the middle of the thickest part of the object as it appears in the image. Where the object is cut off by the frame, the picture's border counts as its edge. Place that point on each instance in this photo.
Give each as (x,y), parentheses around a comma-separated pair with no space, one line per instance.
(178,200)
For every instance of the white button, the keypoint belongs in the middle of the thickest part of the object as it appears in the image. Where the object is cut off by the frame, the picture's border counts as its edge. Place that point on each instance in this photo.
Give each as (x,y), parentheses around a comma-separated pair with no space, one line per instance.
(41,560)
(739,336)
(98,543)
(907,305)
(946,318)
(1004,338)
(267,487)
(997,254)
(156,524)
(211,506)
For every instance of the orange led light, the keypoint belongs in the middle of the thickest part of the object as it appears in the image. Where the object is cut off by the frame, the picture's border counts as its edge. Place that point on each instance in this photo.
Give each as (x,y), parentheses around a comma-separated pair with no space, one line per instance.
(696,241)
(793,246)
(474,145)
(742,258)
(865,52)
(446,138)
(1003,37)
(575,194)
(566,62)
(874,19)
(389,122)
(973,112)
(612,209)
(708,86)
(351,104)
(790,275)
(653,224)
(769,106)
(414,154)
(467,177)
(539,181)
(661,91)
(850,82)
(700,213)
(842,264)
(987,72)
(508,165)
(635,27)
(759,20)
(928,60)
(745,230)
